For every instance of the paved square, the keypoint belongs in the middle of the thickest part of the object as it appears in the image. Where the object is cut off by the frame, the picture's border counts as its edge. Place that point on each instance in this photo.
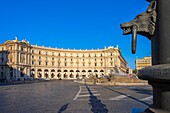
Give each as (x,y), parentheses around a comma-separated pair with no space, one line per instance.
(69,97)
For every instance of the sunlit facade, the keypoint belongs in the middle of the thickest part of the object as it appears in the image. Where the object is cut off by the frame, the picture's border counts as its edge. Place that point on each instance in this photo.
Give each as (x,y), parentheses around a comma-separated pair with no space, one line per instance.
(21,60)
(143,62)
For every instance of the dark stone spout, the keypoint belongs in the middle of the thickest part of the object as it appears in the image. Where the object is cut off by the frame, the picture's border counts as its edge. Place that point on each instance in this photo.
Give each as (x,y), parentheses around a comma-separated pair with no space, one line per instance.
(143,24)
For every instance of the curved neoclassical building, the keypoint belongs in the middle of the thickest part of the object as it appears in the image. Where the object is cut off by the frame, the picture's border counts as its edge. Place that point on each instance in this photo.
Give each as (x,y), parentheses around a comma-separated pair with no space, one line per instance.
(20,60)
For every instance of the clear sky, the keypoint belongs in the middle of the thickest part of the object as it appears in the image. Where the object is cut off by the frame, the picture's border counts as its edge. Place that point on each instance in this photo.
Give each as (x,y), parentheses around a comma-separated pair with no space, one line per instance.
(73,24)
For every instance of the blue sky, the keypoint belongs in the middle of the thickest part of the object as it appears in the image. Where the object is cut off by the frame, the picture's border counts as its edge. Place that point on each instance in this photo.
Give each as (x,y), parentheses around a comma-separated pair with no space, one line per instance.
(73,24)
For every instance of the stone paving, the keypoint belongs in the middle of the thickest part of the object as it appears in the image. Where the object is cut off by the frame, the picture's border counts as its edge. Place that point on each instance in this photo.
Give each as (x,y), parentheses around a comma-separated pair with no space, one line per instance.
(59,97)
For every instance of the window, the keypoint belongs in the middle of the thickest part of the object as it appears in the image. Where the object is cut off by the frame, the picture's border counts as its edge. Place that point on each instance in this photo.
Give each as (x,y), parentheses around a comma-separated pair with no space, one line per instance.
(101,64)
(101,59)
(52,53)
(10,59)
(101,55)
(71,59)
(32,56)
(65,54)
(89,64)
(22,49)
(52,58)
(39,52)
(95,59)
(39,57)
(58,54)
(39,63)
(83,64)
(83,55)
(58,63)
(11,48)
(89,55)
(95,55)
(95,64)
(46,58)
(22,58)
(2,58)
(32,62)
(2,74)
(46,53)
(32,51)
(83,60)
(65,59)
(52,63)
(46,63)
(65,64)
(111,63)
(110,54)
(110,58)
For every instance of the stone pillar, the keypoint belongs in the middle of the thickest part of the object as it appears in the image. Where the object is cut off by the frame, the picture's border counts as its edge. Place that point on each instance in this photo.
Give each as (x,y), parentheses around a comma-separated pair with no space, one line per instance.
(161,39)
(49,74)
(36,72)
(158,75)
(55,74)
(19,72)
(42,73)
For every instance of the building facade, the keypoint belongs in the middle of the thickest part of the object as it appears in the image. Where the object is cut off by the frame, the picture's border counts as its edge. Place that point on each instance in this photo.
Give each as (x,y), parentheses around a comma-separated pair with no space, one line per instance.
(20,60)
(144,62)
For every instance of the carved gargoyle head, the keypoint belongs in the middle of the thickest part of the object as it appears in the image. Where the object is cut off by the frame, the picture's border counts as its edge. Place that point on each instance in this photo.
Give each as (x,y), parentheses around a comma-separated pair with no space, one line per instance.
(143,24)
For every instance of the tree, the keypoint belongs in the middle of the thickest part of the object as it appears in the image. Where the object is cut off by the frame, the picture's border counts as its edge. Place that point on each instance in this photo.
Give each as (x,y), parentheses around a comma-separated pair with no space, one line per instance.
(135,71)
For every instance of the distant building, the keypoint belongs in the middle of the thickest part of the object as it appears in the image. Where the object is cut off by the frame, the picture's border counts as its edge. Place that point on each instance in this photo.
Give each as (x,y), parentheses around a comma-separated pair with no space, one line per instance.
(20,60)
(144,62)
(130,71)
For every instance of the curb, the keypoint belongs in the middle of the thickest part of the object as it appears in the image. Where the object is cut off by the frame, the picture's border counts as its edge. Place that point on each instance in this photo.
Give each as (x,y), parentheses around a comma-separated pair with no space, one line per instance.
(115,83)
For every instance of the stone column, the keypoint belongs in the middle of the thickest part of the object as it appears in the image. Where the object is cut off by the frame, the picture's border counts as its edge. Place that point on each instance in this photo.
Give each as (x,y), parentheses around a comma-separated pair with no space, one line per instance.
(49,73)
(158,75)
(35,72)
(42,73)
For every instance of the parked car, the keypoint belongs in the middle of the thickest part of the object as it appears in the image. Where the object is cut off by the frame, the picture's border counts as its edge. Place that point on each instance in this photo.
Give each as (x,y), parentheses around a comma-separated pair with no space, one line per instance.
(133,76)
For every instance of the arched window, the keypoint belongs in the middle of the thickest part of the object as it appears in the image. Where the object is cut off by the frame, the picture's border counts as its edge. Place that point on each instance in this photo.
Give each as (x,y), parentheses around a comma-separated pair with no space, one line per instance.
(59,70)
(83,71)
(95,71)
(65,70)
(77,71)
(89,71)
(46,70)
(71,71)
(101,71)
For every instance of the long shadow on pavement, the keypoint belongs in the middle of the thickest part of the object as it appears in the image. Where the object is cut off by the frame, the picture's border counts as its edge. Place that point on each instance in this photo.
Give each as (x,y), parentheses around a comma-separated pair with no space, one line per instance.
(63,108)
(97,106)
(143,91)
(128,96)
